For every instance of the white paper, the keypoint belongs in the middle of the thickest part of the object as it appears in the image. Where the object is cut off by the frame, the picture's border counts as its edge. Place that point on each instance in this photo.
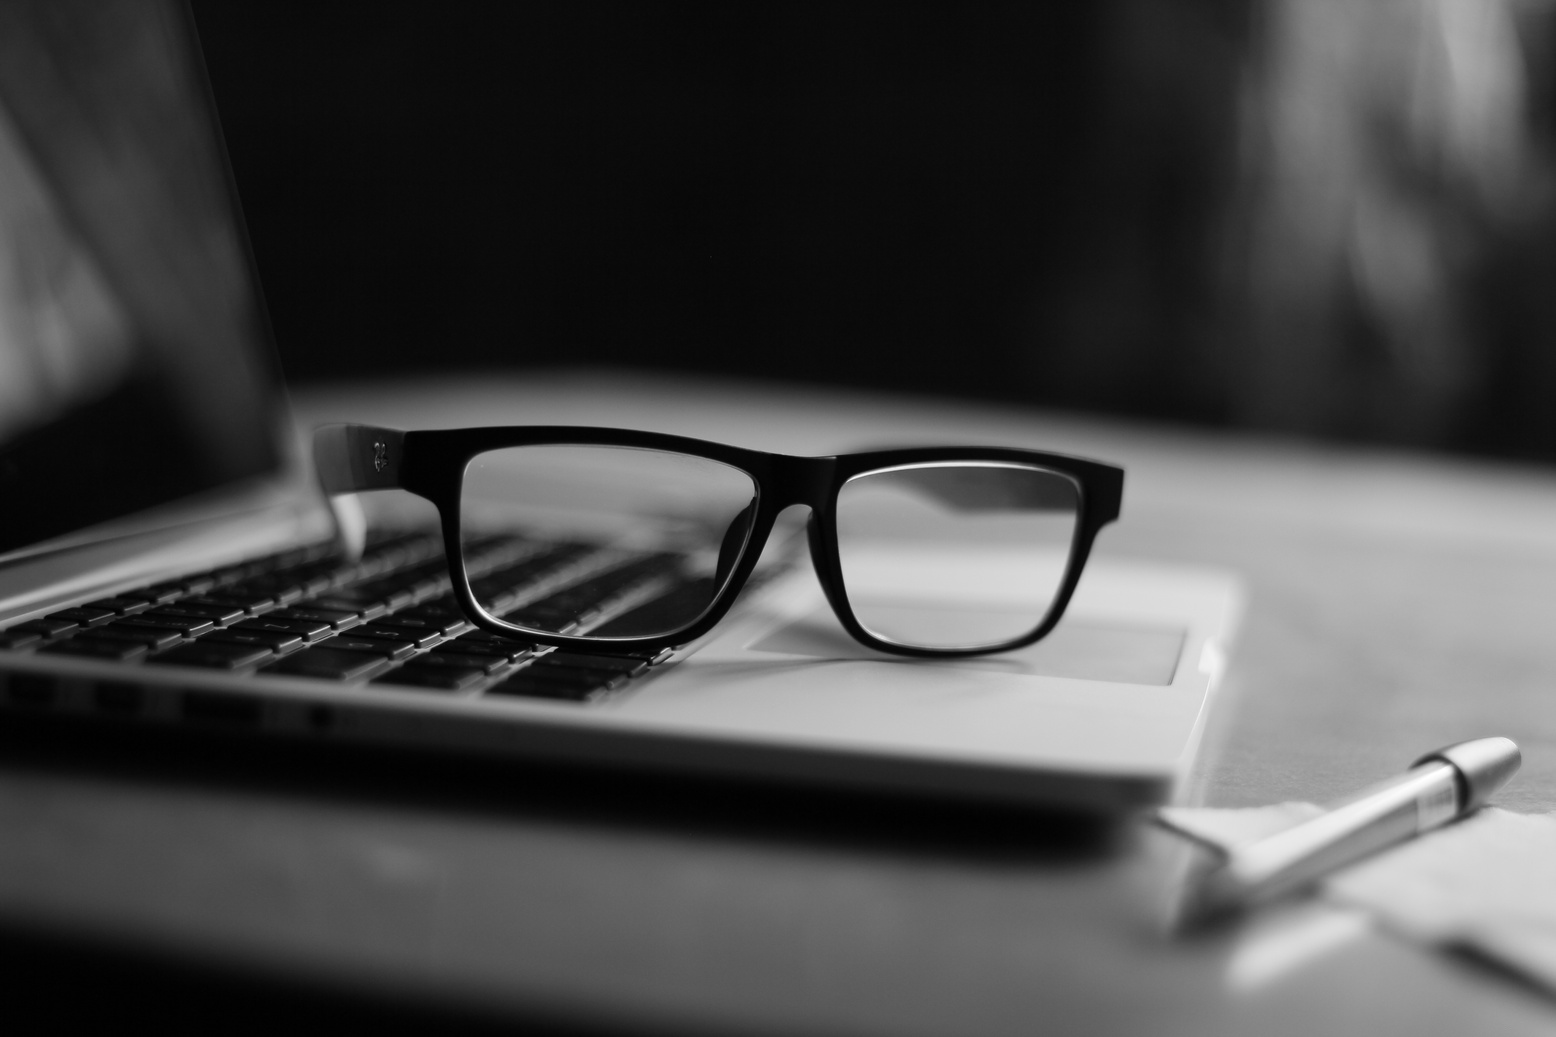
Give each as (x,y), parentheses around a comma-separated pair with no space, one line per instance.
(1486,883)
(1225,827)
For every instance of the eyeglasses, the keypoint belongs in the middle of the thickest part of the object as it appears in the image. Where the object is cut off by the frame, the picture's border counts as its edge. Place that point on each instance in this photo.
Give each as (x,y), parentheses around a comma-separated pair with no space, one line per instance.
(607,539)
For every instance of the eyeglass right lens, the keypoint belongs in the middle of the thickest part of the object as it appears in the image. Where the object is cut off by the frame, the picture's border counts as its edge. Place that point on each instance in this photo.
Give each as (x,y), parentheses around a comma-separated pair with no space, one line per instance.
(958,555)
(601,541)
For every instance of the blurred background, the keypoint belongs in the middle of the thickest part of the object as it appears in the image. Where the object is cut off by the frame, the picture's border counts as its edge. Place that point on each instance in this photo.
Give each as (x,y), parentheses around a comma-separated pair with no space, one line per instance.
(1324,217)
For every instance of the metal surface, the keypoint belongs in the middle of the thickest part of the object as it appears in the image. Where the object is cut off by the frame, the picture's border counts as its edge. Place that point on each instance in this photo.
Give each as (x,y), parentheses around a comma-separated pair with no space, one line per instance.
(1484,766)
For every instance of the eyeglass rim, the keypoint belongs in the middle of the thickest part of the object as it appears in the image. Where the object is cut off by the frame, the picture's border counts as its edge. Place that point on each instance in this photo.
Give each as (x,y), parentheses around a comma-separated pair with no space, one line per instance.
(1043,624)
(431,463)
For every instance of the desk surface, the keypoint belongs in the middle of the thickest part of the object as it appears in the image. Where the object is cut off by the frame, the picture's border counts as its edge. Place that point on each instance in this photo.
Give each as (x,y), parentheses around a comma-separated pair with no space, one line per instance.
(1397,602)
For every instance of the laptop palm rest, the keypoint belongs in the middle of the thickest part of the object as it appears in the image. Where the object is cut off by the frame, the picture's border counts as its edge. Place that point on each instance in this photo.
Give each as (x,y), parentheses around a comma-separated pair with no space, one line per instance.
(1107,710)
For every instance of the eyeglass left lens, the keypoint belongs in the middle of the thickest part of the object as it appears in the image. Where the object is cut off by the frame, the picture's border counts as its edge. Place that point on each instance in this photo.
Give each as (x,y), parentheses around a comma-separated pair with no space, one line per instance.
(959,556)
(601,541)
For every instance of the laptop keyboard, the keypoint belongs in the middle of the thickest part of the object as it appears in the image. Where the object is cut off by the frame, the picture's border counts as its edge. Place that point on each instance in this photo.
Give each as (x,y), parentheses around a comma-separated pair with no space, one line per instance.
(388,619)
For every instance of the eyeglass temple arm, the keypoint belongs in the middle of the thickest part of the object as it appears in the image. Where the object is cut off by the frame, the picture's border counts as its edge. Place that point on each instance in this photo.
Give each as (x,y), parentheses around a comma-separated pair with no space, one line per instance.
(356,458)
(348,460)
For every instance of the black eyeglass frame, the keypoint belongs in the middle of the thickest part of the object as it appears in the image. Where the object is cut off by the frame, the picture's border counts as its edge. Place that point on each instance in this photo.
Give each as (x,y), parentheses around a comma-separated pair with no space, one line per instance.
(431,463)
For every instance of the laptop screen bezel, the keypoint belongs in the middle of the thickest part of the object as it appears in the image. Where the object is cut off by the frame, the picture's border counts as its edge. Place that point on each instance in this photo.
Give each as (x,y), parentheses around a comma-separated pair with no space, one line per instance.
(288,486)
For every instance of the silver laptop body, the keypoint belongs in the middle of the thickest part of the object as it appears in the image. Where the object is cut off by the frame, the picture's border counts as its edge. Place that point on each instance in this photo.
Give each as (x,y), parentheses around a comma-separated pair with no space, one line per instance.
(144,443)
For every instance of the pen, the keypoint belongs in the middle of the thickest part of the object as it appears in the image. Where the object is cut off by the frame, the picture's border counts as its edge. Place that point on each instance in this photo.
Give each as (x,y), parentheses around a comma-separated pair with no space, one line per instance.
(1438,788)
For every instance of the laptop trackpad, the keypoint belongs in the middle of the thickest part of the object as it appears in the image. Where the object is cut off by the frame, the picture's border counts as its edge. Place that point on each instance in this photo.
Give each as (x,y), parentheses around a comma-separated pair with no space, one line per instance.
(1084,649)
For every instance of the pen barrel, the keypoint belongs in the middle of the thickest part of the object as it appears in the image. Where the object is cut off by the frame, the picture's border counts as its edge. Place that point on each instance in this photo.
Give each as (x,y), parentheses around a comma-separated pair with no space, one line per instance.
(1365,823)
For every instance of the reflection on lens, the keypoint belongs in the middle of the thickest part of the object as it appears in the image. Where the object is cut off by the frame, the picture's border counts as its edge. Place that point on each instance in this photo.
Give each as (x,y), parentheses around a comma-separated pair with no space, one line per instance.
(955,555)
(599,540)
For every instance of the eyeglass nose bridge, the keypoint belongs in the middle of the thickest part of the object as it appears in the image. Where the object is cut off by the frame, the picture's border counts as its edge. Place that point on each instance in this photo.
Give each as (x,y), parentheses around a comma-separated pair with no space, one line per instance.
(797,480)
(811,483)
(783,482)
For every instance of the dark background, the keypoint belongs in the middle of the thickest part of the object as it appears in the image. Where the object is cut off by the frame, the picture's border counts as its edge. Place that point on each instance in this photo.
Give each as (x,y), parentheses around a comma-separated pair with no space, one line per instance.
(1083,205)
(887,195)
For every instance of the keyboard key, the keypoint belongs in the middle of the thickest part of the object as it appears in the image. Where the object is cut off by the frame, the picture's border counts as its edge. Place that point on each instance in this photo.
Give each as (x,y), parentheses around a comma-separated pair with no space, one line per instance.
(423,677)
(120,651)
(215,655)
(598,589)
(487,637)
(362,593)
(218,614)
(446,619)
(120,606)
(430,587)
(265,583)
(428,568)
(519,574)
(189,626)
(274,593)
(408,622)
(250,602)
(389,649)
(443,608)
(279,642)
(652,656)
(336,618)
(396,597)
(300,557)
(363,609)
(45,627)
(315,583)
(406,635)
(367,567)
(329,664)
(459,646)
(542,612)
(200,584)
(221,600)
(445,661)
(284,586)
(83,614)
(229,575)
(497,602)
(157,594)
(17,639)
(152,637)
(307,629)
(626,666)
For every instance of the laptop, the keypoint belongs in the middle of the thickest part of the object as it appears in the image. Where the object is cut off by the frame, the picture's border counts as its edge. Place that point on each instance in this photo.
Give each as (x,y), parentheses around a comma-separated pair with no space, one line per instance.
(166,557)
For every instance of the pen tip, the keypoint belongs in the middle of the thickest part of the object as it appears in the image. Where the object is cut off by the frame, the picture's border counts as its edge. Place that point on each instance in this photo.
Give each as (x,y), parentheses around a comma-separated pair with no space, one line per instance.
(1484,764)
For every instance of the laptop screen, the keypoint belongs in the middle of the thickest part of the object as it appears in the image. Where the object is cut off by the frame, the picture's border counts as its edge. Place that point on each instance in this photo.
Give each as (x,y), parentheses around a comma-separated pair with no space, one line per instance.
(135,362)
